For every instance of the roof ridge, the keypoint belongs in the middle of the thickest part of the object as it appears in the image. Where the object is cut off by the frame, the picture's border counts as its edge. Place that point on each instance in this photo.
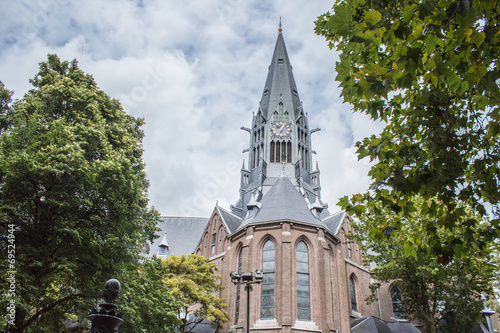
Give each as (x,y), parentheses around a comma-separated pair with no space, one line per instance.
(228,212)
(183,217)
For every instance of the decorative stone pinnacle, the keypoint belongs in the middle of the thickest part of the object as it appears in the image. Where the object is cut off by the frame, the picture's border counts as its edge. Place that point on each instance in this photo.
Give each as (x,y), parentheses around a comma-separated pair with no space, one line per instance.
(111,290)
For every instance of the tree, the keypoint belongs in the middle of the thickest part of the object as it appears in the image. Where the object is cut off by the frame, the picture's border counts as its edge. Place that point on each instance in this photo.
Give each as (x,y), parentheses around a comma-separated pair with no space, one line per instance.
(73,193)
(193,284)
(430,291)
(145,301)
(5,100)
(429,70)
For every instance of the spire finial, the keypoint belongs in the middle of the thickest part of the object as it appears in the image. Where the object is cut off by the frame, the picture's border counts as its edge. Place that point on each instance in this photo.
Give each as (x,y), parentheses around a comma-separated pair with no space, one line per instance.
(279,27)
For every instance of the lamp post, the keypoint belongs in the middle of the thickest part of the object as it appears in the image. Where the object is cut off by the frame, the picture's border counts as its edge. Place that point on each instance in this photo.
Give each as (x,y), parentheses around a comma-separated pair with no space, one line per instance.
(106,319)
(247,279)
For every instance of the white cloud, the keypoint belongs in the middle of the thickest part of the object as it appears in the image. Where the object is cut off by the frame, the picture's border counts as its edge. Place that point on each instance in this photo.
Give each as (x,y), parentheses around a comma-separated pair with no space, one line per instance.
(195,70)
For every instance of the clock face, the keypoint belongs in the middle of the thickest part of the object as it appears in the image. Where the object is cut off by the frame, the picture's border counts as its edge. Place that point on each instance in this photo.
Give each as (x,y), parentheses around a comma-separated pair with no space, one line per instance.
(281,128)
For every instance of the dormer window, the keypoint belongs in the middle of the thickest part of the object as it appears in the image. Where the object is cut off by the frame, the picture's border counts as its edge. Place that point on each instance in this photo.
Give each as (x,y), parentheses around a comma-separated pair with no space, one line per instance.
(280,60)
(163,250)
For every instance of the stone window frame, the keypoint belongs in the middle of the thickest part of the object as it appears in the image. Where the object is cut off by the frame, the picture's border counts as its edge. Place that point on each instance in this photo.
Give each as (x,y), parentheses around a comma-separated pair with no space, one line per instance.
(353,294)
(395,303)
(302,240)
(265,240)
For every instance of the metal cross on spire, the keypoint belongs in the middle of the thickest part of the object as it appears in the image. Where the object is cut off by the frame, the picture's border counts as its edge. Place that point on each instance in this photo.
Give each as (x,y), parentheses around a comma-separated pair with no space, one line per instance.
(279,27)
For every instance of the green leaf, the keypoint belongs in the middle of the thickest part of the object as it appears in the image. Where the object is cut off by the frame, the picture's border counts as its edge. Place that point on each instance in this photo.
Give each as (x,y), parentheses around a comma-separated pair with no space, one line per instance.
(341,21)
(477,38)
(344,202)
(372,17)
(453,82)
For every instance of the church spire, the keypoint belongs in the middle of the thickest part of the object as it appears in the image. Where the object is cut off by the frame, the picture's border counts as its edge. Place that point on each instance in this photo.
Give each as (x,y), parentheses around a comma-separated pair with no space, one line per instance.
(280,84)
(280,138)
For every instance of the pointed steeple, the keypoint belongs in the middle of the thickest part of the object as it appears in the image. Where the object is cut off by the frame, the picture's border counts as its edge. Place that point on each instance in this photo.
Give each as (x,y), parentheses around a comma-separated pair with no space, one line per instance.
(280,139)
(280,83)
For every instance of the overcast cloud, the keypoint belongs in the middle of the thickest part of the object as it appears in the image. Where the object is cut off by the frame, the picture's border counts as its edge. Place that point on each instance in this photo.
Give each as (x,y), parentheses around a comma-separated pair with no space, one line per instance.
(195,70)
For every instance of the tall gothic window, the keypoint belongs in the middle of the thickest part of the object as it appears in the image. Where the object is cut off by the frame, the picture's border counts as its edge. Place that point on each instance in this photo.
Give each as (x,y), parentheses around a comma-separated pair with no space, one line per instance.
(280,108)
(289,152)
(267,291)
(396,302)
(303,290)
(212,248)
(272,151)
(237,312)
(352,286)
(253,158)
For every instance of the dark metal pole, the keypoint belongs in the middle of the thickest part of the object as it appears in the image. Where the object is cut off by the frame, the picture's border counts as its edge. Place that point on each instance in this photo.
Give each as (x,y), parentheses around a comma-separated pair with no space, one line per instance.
(248,287)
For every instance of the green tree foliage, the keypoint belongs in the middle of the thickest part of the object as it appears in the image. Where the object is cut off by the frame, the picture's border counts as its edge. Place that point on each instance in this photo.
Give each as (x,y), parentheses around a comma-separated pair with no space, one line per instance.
(73,188)
(430,290)
(429,69)
(193,284)
(5,100)
(145,301)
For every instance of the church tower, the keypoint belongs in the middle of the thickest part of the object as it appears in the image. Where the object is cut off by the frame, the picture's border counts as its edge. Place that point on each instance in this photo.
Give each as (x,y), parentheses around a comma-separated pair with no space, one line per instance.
(280,140)
(312,277)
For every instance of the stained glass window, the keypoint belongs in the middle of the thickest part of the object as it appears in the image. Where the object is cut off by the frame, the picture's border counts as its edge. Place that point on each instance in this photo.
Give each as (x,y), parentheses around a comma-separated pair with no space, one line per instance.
(303,283)
(267,285)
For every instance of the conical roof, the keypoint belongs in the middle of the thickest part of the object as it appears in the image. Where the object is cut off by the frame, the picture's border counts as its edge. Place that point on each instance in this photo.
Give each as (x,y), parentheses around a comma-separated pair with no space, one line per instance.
(280,84)
(283,203)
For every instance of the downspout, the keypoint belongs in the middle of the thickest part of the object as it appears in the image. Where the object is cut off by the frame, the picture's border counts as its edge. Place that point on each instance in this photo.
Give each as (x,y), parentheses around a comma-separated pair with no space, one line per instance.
(379,310)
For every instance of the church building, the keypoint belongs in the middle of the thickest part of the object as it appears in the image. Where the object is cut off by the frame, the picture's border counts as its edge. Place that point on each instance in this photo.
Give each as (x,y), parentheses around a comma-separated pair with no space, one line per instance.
(280,230)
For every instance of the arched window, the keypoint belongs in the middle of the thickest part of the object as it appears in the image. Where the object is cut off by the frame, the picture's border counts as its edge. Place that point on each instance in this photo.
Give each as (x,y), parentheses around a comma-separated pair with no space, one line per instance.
(237,312)
(303,291)
(280,107)
(272,152)
(286,116)
(352,286)
(163,251)
(214,241)
(267,291)
(278,152)
(275,116)
(304,157)
(289,152)
(396,302)
(253,158)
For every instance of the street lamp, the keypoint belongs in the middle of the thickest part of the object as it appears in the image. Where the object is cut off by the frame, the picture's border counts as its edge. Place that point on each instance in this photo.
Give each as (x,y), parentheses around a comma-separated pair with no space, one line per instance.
(247,279)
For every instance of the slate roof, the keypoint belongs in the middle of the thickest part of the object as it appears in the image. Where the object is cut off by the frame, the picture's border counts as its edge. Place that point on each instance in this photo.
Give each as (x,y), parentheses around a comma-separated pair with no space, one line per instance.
(283,202)
(280,84)
(402,327)
(182,234)
(334,221)
(369,325)
(232,221)
(377,325)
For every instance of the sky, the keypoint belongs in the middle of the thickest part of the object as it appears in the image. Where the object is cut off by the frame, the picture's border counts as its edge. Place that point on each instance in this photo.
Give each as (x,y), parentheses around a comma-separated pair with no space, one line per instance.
(195,71)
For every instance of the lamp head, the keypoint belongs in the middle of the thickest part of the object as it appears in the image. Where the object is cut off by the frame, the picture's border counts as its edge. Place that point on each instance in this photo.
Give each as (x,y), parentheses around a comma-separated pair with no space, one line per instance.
(259,275)
(235,277)
(247,277)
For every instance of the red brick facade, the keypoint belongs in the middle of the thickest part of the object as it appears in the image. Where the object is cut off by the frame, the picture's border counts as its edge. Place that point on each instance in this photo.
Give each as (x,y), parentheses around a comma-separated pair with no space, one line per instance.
(330,268)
